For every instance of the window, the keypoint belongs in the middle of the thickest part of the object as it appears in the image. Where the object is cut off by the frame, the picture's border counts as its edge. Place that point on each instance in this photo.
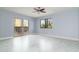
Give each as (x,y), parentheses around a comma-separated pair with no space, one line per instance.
(21,26)
(25,23)
(18,23)
(46,23)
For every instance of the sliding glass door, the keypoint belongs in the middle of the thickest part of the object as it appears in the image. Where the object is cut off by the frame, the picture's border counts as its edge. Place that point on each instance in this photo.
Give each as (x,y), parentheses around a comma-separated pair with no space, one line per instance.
(21,27)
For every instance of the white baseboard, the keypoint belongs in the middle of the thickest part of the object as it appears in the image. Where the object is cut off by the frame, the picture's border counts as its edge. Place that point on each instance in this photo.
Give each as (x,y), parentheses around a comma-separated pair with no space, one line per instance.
(61,37)
(4,38)
(47,35)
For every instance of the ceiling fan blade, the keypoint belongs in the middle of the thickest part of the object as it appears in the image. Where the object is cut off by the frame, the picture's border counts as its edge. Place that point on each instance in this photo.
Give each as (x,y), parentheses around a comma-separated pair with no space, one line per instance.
(36,9)
(43,11)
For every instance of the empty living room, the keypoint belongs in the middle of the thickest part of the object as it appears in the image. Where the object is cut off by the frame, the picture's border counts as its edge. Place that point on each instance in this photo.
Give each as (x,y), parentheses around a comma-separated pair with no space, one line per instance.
(39,29)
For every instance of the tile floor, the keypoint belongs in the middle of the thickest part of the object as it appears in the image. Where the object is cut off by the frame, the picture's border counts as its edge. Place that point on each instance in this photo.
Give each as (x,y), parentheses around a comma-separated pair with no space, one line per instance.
(37,43)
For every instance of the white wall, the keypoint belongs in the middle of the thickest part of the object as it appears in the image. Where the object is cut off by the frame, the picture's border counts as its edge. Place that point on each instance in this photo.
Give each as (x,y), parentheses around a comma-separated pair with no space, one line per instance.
(66,24)
(7,23)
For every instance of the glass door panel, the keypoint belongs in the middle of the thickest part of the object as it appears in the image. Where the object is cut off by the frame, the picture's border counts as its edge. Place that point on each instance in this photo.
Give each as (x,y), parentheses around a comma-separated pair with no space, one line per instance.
(25,25)
(21,27)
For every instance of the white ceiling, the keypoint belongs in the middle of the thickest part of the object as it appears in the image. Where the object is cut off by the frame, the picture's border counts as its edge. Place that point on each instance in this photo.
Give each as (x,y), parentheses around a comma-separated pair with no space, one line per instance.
(30,12)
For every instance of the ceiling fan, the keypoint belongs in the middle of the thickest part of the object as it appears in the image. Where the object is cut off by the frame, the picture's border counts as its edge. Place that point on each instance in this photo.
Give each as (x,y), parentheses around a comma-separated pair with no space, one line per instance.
(39,10)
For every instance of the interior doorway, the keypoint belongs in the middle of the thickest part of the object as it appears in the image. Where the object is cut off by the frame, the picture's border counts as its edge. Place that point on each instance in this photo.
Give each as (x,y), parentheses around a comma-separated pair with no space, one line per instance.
(21,27)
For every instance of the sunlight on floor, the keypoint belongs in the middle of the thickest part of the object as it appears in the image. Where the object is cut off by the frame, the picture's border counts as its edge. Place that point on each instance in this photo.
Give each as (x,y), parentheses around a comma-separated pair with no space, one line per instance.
(38,43)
